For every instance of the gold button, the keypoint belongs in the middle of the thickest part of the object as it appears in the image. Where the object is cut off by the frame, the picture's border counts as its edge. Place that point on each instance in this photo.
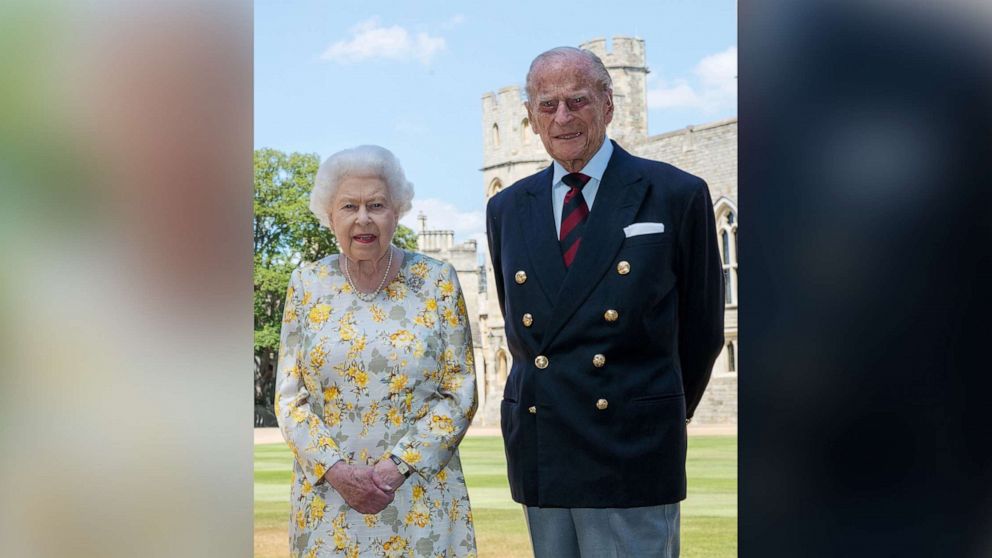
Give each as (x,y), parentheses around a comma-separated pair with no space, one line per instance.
(532,410)
(520,277)
(611,315)
(602,404)
(623,268)
(528,320)
(541,362)
(599,361)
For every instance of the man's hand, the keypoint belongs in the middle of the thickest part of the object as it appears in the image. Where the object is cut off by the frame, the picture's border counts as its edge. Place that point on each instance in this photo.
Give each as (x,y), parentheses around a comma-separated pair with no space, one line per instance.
(356,486)
(386,476)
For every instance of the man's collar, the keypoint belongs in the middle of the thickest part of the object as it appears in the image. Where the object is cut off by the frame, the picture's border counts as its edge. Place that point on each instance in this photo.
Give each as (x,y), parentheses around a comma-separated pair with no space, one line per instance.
(594,168)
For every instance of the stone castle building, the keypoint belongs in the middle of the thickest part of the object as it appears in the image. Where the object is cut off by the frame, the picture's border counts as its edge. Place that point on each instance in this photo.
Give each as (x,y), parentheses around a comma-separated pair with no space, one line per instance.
(464,258)
(512,151)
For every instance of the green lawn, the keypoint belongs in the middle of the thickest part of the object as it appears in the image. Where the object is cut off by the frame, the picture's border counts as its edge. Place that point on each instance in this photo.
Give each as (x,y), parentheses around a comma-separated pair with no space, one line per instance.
(709,515)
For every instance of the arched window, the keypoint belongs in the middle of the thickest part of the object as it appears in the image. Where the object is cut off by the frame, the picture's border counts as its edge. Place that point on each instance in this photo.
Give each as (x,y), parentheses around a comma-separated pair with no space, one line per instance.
(495,135)
(494,187)
(501,371)
(525,132)
(726,226)
(732,357)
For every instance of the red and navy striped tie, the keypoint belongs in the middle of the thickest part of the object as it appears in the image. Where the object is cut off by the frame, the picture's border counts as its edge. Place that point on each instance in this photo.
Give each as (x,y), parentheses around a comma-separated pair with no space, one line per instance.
(573,216)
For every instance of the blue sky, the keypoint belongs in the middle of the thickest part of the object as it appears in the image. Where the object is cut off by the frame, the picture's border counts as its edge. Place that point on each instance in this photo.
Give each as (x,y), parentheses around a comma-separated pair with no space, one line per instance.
(410,76)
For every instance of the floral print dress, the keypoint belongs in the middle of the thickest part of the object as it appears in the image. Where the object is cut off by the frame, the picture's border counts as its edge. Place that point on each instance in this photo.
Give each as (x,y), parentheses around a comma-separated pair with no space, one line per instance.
(360,380)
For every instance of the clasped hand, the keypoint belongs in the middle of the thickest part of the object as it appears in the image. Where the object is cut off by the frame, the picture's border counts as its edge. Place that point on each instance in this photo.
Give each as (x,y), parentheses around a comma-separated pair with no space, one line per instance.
(367,490)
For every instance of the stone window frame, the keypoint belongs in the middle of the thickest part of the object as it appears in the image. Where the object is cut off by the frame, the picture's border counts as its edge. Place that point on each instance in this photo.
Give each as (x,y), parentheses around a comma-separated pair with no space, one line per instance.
(494,187)
(502,367)
(726,226)
(732,361)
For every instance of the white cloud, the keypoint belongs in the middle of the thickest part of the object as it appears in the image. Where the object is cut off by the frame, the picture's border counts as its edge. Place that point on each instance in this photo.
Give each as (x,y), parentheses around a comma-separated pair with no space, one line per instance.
(678,94)
(371,40)
(716,89)
(719,71)
(442,215)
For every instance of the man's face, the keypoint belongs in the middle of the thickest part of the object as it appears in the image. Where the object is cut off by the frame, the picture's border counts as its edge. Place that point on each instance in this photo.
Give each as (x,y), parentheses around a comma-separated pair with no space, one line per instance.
(569,111)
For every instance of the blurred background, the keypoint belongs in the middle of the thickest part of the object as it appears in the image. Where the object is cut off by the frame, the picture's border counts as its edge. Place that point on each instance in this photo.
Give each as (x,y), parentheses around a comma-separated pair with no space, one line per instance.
(125,237)
(865,133)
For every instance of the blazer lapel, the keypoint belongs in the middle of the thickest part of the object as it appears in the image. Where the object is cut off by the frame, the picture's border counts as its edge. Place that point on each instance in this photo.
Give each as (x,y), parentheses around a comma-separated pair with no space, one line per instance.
(537,225)
(620,195)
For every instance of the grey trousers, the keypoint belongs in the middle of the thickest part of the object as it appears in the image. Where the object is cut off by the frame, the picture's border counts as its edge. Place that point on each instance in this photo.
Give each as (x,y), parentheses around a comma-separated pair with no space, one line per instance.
(647,532)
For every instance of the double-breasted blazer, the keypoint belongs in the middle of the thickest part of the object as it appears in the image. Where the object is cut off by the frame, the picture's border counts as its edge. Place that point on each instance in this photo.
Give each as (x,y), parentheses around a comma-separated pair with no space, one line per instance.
(611,355)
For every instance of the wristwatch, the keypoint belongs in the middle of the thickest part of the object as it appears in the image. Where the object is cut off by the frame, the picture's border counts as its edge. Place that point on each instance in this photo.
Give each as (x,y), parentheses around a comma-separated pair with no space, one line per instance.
(401,466)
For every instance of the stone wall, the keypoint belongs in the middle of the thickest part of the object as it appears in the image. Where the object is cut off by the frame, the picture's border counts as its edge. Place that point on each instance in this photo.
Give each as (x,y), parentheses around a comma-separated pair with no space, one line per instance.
(719,404)
(708,151)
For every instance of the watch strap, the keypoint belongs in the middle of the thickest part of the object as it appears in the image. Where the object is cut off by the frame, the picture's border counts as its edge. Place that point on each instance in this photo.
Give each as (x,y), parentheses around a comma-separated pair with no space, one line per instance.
(401,465)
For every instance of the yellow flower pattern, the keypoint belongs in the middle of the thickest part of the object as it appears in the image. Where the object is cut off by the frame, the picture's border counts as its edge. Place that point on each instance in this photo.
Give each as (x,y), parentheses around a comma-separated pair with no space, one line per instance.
(394,416)
(377,313)
(411,456)
(289,315)
(398,383)
(358,381)
(442,424)
(318,315)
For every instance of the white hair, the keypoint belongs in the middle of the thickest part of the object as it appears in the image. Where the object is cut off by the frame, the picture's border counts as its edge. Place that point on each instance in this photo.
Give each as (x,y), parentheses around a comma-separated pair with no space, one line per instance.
(597,70)
(364,160)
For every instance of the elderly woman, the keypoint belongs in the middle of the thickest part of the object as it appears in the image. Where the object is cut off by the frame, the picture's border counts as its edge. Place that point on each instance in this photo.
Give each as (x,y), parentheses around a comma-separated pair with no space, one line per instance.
(376,381)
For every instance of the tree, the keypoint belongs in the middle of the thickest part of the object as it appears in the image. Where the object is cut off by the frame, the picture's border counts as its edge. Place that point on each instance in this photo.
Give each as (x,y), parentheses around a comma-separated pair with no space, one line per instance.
(286,234)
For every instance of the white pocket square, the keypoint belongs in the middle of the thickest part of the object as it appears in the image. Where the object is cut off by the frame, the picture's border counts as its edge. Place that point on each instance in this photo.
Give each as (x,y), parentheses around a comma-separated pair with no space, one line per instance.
(638,229)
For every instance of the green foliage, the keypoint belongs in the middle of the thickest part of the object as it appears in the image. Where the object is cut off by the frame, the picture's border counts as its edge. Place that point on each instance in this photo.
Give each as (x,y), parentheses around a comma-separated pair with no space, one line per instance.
(405,238)
(286,234)
(285,230)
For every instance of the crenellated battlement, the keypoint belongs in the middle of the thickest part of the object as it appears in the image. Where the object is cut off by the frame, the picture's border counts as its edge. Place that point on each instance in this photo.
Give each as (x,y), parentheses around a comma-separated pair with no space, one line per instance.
(623,52)
(511,94)
(506,130)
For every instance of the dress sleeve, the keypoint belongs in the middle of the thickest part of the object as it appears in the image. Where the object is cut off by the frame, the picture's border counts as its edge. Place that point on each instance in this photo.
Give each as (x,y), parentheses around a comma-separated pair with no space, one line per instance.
(432,440)
(303,429)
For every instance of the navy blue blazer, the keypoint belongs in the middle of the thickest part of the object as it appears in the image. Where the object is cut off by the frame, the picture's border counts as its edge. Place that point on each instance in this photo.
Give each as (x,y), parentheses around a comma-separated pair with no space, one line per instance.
(611,355)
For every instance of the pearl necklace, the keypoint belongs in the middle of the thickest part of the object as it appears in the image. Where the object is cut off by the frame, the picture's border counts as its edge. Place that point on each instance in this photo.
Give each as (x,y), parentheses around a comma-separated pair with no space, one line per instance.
(371,296)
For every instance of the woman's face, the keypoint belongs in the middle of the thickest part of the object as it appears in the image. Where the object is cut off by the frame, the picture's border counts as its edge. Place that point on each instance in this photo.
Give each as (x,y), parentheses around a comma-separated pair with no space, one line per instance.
(363,217)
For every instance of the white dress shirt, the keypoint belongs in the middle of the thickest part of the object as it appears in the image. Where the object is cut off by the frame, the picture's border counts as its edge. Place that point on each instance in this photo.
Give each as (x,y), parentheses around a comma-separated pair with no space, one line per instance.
(594,169)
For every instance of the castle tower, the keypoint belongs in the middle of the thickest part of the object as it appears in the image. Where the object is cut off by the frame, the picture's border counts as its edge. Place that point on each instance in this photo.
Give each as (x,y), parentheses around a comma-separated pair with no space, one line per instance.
(626,64)
(511,150)
(440,244)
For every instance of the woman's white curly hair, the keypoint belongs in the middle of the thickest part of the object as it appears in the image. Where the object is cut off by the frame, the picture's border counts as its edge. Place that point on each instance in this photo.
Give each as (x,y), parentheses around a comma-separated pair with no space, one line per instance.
(364,160)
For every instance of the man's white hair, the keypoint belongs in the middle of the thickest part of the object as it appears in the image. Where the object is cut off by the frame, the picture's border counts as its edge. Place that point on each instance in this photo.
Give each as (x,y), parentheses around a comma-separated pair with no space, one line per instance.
(364,160)
(596,67)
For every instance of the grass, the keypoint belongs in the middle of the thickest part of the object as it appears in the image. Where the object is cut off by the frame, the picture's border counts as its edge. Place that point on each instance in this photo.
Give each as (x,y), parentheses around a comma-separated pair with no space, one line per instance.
(709,515)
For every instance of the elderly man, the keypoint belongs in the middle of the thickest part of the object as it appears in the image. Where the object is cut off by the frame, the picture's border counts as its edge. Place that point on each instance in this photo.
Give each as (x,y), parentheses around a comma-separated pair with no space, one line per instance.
(610,283)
